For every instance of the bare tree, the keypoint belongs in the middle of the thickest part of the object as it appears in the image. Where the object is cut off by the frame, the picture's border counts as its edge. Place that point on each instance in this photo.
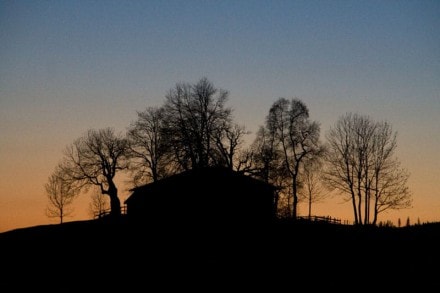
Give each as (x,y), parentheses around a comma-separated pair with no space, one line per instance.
(149,151)
(228,141)
(244,161)
(312,189)
(266,163)
(94,160)
(362,164)
(99,204)
(60,196)
(195,116)
(266,157)
(296,136)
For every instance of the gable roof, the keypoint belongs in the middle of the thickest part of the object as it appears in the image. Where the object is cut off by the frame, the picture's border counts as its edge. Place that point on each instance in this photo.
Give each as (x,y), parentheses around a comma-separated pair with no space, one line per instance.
(203,177)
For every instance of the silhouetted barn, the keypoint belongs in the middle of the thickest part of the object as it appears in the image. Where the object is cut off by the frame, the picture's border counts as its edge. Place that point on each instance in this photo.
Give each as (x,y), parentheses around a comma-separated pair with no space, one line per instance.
(207,195)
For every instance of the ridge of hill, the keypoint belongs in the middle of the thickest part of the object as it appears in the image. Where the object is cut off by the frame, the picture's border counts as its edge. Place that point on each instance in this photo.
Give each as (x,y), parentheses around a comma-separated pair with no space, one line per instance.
(301,233)
(299,249)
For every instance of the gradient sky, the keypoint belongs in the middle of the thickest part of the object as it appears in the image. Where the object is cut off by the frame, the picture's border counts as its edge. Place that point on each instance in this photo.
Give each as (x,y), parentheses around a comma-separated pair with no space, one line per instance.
(70,66)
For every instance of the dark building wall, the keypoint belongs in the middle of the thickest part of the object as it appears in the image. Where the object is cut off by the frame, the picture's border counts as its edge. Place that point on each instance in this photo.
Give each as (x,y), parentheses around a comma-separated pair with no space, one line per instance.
(213,195)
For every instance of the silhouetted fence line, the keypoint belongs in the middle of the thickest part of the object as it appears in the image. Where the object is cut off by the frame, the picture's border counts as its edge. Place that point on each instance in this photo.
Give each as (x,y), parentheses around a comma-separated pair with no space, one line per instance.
(326,219)
(101,214)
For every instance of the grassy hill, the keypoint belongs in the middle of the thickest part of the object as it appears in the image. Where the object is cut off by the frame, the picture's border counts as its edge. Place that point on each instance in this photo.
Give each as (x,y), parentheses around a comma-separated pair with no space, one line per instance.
(302,233)
(290,249)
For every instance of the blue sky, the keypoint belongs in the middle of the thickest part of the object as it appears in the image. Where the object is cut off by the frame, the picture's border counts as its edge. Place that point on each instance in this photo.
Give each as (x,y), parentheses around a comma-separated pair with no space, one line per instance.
(67,66)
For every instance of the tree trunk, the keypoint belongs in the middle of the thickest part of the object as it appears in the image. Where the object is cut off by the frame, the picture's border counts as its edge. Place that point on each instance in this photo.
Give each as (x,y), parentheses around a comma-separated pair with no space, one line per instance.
(295,198)
(115,203)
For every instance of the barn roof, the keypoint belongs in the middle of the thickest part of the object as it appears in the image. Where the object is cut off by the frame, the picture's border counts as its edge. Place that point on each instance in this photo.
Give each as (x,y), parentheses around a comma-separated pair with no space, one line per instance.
(204,176)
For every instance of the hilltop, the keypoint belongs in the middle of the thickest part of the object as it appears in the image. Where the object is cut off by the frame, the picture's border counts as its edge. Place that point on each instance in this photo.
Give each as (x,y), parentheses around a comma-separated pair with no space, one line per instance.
(300,247)
(301,234)
(309,231)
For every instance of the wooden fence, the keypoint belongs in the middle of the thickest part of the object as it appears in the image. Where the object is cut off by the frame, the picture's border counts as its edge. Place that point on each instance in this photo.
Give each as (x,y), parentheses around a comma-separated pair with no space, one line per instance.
(101,214)
(326,219)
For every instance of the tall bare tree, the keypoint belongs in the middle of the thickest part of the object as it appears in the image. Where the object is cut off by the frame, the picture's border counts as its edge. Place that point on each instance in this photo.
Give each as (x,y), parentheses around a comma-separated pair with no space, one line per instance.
(266,163)
(195,115)
(60,196)
(94,160)
(362,164)
(312,190)
(149,151)
(228,140)
(265,155)
(296,136)
(99,204)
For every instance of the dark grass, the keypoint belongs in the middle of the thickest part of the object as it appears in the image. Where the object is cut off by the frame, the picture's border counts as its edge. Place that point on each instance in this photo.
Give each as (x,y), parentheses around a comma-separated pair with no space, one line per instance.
(303,252)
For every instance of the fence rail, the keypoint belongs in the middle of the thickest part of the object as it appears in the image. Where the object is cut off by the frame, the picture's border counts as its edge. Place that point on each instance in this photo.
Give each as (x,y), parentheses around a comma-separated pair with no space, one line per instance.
(326,219)
(102,214)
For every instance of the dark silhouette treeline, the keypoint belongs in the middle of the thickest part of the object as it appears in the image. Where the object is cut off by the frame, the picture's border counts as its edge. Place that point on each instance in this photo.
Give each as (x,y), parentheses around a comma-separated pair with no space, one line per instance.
(205,207)
(195,129)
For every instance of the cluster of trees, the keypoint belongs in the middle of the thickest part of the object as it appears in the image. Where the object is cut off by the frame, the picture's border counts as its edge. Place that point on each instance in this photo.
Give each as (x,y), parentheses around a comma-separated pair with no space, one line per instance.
(194,128)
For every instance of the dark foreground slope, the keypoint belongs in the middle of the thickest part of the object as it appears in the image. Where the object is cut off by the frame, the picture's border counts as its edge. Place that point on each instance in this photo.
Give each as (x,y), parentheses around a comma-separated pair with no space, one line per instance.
(288,253)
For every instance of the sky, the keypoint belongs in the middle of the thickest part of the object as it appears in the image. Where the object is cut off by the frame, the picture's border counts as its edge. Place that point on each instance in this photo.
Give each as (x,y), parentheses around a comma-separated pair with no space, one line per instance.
(70,66)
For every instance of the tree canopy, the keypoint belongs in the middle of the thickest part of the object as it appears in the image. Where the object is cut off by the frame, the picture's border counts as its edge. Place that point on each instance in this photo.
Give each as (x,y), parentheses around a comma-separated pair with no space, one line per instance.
(194,128)
(361,163)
